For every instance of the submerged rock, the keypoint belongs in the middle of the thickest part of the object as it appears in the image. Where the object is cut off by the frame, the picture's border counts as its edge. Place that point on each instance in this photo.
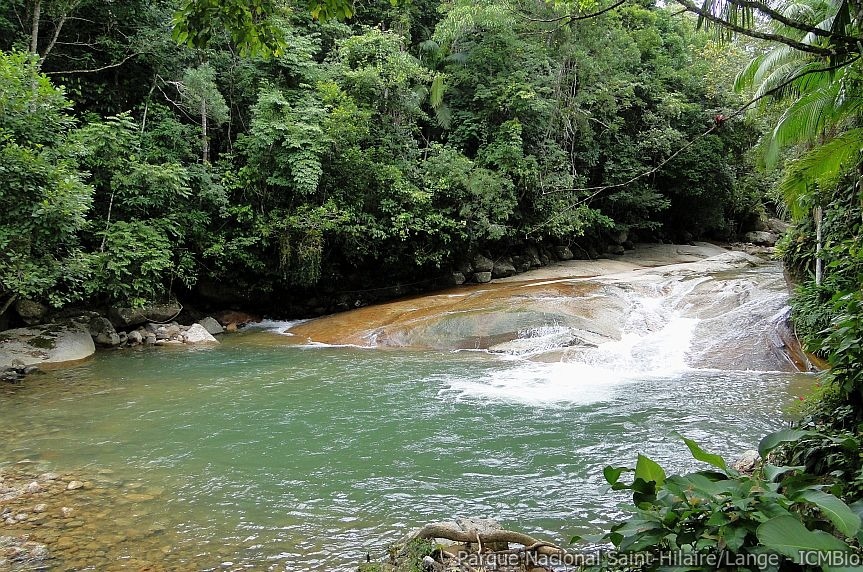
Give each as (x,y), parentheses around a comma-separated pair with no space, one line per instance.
(46,343)
(18,550)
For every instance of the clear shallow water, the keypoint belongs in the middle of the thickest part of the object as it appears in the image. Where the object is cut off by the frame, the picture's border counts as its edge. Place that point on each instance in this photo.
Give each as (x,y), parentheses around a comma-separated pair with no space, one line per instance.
(276,456)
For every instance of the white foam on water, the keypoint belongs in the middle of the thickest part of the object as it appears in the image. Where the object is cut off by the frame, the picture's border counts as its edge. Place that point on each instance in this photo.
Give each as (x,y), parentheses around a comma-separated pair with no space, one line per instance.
(536,384)
(654,343)
(275,326)
(589,375)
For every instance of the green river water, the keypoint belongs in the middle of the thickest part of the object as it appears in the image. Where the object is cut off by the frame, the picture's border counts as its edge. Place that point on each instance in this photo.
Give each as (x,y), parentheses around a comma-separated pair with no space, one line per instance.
(307,457)
(262,454)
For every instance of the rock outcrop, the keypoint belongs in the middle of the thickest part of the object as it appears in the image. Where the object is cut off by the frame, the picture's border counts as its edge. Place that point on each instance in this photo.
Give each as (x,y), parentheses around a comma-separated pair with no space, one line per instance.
(126,317)
(30,311)
(45,344)
(197,334)
(761,238)
(211,325)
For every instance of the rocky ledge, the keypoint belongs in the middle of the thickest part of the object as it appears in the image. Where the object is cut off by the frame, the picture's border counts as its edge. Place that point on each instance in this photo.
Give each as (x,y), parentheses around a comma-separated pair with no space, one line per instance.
(25,350)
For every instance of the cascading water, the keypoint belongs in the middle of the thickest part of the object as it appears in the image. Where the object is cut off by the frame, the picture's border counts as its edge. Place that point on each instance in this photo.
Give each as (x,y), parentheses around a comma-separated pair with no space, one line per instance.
(302,452)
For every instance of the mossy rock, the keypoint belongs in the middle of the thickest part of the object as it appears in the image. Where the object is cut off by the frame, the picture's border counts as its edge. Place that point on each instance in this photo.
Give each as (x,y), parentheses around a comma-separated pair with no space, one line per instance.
(45,344)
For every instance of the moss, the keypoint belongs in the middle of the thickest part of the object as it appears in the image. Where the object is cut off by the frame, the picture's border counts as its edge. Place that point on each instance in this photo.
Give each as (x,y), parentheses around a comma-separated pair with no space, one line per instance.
(370,567)
(43,342)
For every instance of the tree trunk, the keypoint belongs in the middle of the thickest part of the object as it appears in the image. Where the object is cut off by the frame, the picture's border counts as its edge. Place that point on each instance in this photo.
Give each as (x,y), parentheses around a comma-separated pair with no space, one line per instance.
(205,141)
(819,262)
(34,32)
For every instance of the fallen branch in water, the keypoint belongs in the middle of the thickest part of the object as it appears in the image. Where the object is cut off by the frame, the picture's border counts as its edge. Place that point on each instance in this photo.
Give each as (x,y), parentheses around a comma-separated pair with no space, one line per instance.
(490,538)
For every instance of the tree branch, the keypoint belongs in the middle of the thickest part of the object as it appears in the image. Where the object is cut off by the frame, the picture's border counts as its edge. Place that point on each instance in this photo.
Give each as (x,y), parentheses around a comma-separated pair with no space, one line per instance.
(438,530)
(8,303)
(103,68)
(782,19)
(572,17)
(53,41)
(797,45)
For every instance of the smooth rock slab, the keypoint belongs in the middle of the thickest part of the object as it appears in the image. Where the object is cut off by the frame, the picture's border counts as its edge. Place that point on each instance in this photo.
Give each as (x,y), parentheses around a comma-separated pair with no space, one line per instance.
(46,343)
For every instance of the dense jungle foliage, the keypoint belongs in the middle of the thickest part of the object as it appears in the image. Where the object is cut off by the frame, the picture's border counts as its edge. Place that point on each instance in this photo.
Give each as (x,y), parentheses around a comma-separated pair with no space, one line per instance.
(158,149)
(360,153)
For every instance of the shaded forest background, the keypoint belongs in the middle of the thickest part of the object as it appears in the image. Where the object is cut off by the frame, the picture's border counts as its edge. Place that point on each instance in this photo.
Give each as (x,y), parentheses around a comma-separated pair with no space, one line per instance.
(381,151)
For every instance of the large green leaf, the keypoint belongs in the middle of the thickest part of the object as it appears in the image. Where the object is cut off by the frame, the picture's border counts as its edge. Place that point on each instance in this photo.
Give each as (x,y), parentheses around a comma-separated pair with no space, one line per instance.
(649,470)
(773,440)
(787,536)
(842,517)
(771,472)
(701,455)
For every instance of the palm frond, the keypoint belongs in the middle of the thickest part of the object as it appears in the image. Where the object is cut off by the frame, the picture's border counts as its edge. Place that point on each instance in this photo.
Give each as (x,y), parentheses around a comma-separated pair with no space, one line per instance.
(819,170)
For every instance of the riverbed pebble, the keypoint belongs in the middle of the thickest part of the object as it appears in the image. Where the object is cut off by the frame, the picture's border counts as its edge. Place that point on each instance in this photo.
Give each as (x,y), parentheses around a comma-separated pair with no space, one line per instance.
(74,485)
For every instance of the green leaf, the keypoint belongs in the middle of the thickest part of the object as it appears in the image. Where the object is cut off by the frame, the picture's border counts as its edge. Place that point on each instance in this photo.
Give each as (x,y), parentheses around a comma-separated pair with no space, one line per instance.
(734,537)
(773,440)
(787,535)
(649,470)
(700,454)
(771,472)
(839,513)
(612,474)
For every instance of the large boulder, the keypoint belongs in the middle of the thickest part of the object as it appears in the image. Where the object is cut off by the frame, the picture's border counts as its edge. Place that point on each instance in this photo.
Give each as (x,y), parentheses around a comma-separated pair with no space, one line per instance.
(482,277)
(533,253)
(197,334)
(761,237)
(456,278)
(46,343)
(503,269)
(777,226)
(522,263)
(482,264)
(30,311)
(126,317)
(102,331)
(211,325)
(563,253)
(619,236)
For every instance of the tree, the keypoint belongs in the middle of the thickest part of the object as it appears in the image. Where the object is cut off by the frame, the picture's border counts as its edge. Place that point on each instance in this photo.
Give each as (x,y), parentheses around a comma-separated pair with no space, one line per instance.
(43,199)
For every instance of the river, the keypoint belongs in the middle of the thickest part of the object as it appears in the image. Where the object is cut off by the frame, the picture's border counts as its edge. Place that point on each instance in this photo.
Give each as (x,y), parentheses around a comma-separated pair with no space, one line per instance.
(303,446)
